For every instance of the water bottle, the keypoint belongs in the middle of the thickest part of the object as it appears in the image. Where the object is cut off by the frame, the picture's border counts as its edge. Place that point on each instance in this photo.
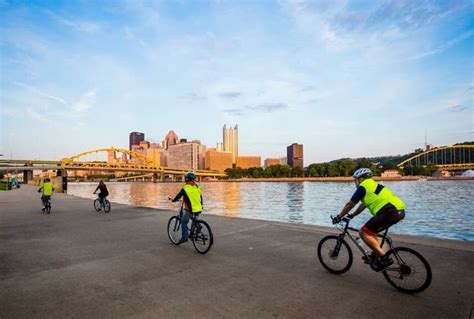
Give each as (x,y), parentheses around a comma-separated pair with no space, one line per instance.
(362,245)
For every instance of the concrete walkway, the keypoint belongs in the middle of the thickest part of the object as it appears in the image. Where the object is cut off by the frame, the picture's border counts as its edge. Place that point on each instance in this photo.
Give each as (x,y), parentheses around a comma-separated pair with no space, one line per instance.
(79,263)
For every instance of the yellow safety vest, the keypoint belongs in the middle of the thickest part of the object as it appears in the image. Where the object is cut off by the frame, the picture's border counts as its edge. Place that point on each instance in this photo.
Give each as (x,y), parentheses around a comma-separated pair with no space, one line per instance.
(377,196)
(194,195)
(47,189)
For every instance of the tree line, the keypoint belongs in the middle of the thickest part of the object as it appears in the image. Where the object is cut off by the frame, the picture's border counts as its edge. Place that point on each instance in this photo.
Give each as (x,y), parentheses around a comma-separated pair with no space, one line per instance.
(338,168)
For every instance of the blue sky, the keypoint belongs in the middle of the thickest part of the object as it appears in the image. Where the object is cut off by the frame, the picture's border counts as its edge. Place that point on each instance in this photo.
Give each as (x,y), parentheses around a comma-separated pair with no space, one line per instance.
(344,78)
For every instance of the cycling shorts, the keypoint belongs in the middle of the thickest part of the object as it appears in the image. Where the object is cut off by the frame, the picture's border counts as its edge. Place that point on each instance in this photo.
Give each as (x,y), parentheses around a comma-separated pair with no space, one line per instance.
(386,217)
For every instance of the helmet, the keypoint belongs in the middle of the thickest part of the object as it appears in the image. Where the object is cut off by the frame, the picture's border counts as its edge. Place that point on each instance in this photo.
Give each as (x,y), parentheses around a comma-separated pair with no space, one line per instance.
(190,176)
(362,172)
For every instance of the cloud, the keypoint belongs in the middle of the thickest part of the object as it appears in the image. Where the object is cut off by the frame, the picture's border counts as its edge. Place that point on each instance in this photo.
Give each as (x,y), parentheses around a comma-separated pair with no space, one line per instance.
(459,108)
(86,101)
(41,93)
(230,94)
(78,25)
(193,97)
(445,46)
(269,107)
(234,112)
(35,115)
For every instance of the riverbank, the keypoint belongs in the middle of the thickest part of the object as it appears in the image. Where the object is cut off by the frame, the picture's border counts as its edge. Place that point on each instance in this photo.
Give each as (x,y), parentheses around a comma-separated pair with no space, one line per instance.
(80,263)
(343,179)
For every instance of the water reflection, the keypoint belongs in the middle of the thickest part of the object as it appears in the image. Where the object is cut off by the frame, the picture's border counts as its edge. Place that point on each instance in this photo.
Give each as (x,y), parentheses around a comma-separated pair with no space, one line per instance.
(295,201)
(232,199)
(441,209)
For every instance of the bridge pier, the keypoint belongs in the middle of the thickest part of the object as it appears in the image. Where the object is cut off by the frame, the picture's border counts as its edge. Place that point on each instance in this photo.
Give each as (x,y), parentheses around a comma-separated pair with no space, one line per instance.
(63,173)
(27,176)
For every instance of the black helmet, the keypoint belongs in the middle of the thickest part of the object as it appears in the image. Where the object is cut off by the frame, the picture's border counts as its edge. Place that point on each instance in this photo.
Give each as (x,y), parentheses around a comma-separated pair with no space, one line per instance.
(190,176)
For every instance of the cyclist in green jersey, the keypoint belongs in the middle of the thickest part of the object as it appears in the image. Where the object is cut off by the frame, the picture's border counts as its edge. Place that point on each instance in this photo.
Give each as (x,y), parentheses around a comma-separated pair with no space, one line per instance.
(47,190)
(387,209)
(192,199)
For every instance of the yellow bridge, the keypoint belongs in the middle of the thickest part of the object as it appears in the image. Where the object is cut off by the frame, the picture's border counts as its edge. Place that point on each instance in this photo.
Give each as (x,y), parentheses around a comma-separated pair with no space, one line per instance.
(135,163)
(449,158)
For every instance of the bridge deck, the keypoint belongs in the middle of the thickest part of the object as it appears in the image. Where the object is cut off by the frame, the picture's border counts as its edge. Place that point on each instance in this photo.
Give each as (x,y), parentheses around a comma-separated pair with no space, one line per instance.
(79,263)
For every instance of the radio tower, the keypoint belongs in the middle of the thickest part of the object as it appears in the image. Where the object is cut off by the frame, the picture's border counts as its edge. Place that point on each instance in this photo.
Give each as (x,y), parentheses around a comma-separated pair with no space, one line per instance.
(426,141)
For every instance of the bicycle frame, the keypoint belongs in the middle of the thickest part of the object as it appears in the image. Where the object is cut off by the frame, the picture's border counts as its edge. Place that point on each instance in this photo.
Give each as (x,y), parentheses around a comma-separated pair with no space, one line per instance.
(346,230)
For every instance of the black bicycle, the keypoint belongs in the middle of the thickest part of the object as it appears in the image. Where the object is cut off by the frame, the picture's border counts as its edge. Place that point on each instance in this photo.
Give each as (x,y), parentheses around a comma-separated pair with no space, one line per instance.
(47,205)
(46,200)
(102,204)
(200,233)
(409,271)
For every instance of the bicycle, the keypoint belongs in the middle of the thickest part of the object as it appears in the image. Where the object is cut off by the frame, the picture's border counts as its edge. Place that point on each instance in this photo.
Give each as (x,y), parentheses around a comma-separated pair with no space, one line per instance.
(200,234)
(47,205)
(102,204)
(409,272)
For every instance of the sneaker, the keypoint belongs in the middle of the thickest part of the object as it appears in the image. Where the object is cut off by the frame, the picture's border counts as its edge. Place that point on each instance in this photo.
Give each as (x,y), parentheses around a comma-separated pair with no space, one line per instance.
(386,261)
(43,209)
(380,263)
(369,259)
(183,240)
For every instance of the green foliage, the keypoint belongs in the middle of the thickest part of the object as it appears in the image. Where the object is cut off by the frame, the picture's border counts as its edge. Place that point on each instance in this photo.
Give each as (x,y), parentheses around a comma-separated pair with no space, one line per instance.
(268,172)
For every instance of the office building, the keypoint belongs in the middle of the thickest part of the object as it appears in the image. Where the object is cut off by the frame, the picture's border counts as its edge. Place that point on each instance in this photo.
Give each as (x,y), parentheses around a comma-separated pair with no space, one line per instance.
(275,161)
(170,139)
(249,161)
(189,155)
(231,141)
(294,154)
(135,139)
(217,160)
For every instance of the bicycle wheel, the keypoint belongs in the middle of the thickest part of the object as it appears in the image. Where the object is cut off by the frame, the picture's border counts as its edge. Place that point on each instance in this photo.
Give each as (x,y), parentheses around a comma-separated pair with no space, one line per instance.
(48,207)
(107,206)
(334,254)
(97,205)
(201,235)
(174,231)
(410,271)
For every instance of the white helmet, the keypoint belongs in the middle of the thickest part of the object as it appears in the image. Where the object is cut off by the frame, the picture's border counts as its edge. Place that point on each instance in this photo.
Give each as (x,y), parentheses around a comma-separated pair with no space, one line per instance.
(362,172)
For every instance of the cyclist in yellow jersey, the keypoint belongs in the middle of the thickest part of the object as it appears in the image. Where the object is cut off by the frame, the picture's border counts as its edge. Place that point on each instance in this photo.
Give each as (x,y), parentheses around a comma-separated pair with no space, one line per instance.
(47,189)
(192,199)
(386,208)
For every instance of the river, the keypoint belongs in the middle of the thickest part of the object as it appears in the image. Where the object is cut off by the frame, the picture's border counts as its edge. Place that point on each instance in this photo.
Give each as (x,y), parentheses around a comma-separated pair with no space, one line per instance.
(441,209)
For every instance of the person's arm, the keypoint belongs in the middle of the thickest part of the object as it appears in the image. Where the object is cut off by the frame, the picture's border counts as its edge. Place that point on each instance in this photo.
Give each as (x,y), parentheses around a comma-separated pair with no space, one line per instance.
(347,208)
(96,190)
(359,210)
(356,197)
(177,197)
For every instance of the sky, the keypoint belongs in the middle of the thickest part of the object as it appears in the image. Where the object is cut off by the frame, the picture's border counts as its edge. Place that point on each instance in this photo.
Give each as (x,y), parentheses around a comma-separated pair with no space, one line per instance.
(343,78)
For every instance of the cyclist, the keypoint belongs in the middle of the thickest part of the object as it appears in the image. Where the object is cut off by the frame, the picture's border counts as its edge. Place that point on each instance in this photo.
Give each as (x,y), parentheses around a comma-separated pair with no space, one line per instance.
(192,199)
(47,190)
(386,208)
(103,192)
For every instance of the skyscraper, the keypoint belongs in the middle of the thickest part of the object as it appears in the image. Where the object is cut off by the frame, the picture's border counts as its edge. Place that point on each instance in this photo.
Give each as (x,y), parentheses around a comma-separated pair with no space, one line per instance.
(136,138)
(295,155)
(231,142)
(170,139)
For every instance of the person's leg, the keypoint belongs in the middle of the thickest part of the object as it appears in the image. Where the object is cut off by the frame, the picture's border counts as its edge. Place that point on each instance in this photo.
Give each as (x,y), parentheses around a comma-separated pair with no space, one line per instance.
(43,202)
(184,224)
(387,217)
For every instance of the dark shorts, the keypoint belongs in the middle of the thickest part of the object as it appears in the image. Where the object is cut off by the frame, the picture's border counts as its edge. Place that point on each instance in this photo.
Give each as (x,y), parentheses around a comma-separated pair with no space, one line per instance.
(386,217)
(45,198)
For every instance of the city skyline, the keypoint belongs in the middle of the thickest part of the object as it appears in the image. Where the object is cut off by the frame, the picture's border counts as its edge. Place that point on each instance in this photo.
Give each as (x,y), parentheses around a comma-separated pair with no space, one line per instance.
(345,79)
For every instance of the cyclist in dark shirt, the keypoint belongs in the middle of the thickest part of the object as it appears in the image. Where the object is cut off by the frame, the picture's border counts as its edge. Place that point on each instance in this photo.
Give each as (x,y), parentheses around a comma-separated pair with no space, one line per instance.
(103,191)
